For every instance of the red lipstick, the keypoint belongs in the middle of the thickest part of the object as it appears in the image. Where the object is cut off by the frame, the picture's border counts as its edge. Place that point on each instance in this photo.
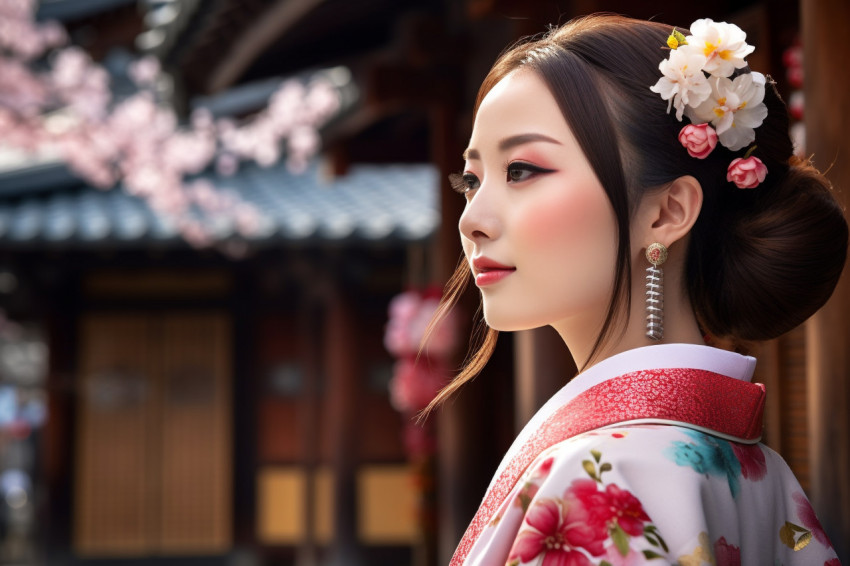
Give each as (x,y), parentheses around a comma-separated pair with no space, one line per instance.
(488,271)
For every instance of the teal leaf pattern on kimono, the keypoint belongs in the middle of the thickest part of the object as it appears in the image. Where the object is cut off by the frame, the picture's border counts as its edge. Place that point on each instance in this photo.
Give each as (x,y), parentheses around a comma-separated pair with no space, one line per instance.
(708,455)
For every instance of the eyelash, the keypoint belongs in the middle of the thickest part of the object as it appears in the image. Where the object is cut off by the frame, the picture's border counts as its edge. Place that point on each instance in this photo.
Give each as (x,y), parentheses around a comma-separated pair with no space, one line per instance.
(462,182)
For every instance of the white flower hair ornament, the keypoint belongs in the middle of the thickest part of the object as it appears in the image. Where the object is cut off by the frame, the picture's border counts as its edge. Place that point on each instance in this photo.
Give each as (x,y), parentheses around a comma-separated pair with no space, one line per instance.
(696,81)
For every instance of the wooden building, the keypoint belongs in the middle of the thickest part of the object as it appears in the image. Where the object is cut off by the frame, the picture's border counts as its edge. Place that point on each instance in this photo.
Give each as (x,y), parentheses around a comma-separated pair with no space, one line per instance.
(220,361)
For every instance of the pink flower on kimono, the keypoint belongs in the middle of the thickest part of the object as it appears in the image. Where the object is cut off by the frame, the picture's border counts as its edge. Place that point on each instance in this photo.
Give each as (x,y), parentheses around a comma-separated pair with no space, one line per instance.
(585,493)
(558,529)
(809,519)
(726,554)
(753,464)
(609,507)
(626,510)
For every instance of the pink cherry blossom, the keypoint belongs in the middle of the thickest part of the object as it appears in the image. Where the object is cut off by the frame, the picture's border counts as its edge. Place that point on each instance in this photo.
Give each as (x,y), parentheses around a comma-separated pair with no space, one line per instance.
(746,173)
(415,383)
(66,106)
(699,139)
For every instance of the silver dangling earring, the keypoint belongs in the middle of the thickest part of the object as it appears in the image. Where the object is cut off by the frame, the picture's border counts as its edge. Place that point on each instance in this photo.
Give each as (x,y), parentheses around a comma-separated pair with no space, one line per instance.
(656,254)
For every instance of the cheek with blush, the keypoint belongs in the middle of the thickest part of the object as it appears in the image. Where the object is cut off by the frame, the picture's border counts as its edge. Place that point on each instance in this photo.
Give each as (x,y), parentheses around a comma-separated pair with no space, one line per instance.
(567,219)
(568,247)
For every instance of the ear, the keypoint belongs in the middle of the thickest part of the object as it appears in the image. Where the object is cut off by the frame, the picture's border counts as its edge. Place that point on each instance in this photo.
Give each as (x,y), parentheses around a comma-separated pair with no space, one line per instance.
(668,214)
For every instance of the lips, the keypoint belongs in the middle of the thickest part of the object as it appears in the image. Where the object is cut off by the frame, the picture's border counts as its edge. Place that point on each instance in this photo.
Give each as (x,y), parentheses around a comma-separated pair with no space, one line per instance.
(488,271)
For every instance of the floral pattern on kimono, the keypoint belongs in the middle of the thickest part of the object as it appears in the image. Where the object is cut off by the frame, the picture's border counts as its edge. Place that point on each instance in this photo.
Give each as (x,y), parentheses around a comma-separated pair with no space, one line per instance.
(654,495)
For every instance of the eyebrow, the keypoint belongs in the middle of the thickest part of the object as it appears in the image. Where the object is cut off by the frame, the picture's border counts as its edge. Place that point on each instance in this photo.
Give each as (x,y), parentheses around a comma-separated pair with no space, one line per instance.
(512,142)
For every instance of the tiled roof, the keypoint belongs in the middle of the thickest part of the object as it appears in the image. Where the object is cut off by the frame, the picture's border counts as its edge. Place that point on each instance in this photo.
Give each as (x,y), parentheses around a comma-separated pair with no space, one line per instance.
(396,203)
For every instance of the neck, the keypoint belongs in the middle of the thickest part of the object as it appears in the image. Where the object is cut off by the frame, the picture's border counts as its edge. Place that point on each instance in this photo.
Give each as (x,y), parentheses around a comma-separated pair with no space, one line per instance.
(680,325)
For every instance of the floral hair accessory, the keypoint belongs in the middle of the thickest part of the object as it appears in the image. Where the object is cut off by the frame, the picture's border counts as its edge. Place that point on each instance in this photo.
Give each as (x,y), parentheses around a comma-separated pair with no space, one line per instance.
(696,81)
(699,140)
(746,172)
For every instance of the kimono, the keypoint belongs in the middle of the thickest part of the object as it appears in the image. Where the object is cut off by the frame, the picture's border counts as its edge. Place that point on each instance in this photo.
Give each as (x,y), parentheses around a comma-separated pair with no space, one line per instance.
(649,457)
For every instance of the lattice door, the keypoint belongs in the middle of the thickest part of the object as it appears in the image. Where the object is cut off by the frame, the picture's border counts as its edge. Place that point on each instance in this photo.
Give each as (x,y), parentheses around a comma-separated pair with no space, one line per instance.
(153,435)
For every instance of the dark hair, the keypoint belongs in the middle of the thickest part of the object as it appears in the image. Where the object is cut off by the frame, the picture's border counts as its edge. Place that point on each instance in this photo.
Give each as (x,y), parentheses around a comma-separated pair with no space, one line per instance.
(759,261)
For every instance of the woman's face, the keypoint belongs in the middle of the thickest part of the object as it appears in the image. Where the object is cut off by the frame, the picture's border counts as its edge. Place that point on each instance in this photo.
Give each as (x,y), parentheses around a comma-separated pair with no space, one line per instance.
(538,230)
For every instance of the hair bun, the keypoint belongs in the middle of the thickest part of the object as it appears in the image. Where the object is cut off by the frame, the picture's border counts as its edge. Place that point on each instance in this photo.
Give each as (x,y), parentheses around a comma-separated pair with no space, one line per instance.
(777,261)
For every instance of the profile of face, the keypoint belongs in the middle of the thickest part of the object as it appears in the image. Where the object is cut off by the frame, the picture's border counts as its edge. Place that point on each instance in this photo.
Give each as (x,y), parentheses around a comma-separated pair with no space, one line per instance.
(538,230)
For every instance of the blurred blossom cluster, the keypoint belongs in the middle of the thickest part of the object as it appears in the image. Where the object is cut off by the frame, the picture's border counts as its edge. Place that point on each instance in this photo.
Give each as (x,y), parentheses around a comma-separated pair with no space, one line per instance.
(418,376)
(792,59)
(55,99)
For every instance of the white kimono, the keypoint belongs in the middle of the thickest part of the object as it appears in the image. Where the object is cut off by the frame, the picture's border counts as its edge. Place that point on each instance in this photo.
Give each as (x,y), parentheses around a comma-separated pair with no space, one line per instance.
(649,457)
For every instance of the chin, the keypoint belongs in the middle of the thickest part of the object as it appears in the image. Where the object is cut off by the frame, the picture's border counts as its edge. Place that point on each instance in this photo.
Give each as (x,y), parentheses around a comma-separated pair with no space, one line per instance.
(506,323)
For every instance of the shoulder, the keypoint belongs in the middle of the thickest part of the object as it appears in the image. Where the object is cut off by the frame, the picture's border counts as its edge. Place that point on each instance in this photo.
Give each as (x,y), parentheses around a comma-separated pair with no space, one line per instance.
(668,492)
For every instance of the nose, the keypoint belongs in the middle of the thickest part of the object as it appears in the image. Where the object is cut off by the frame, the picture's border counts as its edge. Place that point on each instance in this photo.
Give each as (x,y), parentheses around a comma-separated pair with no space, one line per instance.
(480,220)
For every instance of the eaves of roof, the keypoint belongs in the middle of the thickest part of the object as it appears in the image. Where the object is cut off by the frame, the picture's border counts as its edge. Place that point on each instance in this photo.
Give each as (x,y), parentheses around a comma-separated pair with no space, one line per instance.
(394,204)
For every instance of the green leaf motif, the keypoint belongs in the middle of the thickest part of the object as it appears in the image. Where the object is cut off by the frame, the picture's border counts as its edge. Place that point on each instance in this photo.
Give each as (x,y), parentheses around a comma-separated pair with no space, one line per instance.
(654,537)
(651,540)
(650,554)
(524,501)
(597,455)
(605,563)
(590,469)
(621,540)
(606,467)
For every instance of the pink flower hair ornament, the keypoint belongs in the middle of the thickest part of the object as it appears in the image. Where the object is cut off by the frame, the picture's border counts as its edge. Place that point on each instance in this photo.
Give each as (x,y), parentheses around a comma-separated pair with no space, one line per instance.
(697,80)
(746,172)
(700,140)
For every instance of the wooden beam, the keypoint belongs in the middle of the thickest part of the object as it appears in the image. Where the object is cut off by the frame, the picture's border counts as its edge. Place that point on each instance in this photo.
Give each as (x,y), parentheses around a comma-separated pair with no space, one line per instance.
(827,90)
(283,15)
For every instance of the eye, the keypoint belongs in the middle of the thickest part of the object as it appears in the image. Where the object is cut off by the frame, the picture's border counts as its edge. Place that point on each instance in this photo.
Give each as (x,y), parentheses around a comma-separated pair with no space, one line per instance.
(519,171)
(463,183)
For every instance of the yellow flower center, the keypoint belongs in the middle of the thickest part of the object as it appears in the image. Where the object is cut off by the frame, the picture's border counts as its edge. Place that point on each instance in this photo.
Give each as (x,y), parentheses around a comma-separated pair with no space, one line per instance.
(721,101)
(725,54)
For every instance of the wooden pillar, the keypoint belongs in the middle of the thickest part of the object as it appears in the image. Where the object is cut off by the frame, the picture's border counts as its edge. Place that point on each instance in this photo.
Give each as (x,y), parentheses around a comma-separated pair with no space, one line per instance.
(827,90)
(543,365)
(342,394)
(311,329)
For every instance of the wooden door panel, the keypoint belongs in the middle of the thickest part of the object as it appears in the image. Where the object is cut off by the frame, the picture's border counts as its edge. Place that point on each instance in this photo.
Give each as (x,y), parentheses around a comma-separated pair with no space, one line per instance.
(113,437)
(153,465)
(196,477)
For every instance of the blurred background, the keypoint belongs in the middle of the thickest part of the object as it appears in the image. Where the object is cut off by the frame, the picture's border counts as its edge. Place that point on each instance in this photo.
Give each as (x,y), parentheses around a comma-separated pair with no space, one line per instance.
(224,225)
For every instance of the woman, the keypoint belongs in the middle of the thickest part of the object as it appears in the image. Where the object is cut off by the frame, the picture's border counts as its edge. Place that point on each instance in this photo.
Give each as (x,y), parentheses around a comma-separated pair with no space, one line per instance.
(636,190)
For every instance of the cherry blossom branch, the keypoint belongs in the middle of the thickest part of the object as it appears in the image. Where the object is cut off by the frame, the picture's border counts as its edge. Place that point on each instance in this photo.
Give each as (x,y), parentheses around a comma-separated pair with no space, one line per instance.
(55,100)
